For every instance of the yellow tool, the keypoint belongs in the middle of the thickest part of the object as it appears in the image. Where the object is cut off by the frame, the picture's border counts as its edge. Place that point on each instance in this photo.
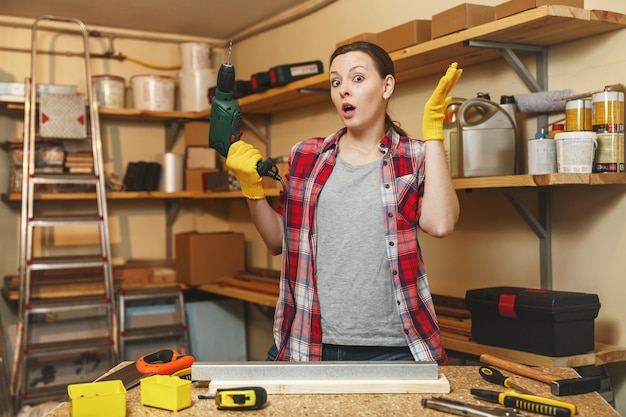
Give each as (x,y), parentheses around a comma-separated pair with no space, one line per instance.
(244,398)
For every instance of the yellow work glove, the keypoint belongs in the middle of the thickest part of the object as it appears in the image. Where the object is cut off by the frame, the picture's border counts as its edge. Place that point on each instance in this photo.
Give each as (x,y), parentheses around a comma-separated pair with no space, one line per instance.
(435,108)
(242,160)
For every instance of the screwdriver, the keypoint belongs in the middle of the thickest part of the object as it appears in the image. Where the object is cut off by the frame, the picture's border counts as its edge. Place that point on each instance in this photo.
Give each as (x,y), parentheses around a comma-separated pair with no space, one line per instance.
(533,403)
(494,376)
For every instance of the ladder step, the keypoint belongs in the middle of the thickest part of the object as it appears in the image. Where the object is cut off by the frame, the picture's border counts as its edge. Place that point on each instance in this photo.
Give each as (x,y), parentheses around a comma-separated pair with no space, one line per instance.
(88,261)
(154,332)
(68,347)
(64,179)
(150,294)
(74,220)
(67,304)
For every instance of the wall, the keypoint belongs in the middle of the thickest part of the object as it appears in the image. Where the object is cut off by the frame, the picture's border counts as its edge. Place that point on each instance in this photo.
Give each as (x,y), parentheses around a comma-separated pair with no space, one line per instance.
(491,245)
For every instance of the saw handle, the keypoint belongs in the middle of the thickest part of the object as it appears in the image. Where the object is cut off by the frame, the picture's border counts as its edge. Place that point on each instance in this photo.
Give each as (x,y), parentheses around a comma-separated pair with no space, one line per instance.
(519,369)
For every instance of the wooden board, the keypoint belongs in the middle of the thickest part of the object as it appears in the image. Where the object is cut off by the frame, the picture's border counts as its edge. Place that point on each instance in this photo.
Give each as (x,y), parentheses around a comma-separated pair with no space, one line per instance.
(440,386)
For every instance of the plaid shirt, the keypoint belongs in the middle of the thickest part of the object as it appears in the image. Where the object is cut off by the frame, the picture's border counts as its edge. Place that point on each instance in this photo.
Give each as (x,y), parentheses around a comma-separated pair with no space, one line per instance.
(297,315)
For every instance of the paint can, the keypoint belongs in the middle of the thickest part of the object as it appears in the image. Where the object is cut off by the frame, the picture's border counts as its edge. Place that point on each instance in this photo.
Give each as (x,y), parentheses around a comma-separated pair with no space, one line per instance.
(578,115)
(153,92)
(575,151)
(609,156)
(541,155)
(110,90)
(608,111)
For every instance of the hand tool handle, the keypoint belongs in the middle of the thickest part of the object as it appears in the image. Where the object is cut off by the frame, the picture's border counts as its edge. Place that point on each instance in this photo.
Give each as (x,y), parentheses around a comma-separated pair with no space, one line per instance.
(518,369)
(535,407)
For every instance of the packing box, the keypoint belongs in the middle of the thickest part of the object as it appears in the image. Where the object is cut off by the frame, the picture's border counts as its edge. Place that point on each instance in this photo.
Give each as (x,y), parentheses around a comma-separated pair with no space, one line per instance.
(461,17)
(551,323)
(404,35)
(366,36)
(197,133)
(194,179)
(203,258)
(200,157)
(515,6)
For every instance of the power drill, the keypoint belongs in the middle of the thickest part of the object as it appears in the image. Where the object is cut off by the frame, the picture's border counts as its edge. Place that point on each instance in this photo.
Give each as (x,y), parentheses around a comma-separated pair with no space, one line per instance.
(225,118)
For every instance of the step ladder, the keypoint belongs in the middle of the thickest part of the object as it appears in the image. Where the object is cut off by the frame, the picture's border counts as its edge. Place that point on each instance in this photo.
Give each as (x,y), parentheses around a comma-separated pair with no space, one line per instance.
(40,359)
(6,405)
(159,321)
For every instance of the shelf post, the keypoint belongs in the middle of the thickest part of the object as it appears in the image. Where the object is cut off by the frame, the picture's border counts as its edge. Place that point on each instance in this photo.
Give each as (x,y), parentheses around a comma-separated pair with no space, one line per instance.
(540,83)
(542,226)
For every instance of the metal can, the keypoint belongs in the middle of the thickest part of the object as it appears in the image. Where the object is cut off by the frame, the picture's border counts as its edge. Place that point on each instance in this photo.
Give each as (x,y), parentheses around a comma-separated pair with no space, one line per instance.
(608,111)
(578,115)
(609,156)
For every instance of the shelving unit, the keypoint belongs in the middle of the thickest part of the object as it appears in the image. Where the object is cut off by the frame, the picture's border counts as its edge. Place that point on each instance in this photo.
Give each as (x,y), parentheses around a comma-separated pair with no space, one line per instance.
(526,32)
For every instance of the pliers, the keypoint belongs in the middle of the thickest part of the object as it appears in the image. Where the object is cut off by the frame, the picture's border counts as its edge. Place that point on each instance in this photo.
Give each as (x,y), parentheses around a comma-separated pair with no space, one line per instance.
(465,409)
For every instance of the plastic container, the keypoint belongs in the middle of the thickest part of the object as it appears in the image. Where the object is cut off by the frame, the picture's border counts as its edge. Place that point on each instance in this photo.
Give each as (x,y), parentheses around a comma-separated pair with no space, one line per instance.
(153,92)
(110,90)
(541,155)
(98,399)
(194,88)
(575,151)
(194,55)
(487,140)
(552,323)
(166,391)
(556,128)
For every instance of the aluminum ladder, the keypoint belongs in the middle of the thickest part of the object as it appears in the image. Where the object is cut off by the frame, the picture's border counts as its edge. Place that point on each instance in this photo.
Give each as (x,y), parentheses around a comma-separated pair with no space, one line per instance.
(165,327)
(33,353)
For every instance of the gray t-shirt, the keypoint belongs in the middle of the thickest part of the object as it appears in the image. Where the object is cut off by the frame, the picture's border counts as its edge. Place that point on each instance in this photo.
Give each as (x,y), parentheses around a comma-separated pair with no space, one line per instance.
(356,297)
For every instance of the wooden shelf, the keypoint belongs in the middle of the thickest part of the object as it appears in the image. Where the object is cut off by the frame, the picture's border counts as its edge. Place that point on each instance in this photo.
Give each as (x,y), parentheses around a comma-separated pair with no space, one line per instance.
(124,114)
(138,195)
(543,26)
(509,181)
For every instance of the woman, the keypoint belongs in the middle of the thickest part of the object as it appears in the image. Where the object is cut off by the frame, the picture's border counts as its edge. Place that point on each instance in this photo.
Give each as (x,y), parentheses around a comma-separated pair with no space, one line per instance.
(353,284)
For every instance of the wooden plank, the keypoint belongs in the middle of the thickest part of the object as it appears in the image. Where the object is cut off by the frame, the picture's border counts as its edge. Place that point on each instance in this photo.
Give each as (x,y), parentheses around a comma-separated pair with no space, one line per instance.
(609,353)
(527,358)
(244,294)
(439,386)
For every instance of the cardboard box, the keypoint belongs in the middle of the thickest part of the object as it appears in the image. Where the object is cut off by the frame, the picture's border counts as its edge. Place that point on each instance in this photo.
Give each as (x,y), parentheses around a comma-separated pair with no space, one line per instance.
(200,157)
(516,6)
(404,35)
(203,258)
(551,323)
(194,179)
(196,134)
(366,36)
(461,17)
(219,181)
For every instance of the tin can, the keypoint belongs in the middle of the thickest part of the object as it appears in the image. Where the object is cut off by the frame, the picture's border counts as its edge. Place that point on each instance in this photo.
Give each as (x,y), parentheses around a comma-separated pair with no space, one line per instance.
(578,115)
(110,90)
(609,155)
(608,111)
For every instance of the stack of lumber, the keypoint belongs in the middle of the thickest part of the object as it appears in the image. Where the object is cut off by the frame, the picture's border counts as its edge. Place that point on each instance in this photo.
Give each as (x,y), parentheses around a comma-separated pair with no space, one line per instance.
(453,316)
(88,281)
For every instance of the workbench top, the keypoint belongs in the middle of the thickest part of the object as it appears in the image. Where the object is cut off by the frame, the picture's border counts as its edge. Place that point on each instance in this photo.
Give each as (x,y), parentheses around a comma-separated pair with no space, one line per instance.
(461,379)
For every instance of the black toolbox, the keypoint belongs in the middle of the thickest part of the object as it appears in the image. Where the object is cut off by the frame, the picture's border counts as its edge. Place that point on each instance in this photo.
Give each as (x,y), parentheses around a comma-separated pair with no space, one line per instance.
(551,323)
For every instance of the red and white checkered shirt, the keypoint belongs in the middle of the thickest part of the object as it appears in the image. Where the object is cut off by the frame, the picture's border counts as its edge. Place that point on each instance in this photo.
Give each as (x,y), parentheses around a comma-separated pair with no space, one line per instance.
(297,325)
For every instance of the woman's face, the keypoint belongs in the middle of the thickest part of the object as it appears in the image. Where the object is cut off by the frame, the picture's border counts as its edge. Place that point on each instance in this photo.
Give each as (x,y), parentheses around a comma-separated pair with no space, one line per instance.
(357,90)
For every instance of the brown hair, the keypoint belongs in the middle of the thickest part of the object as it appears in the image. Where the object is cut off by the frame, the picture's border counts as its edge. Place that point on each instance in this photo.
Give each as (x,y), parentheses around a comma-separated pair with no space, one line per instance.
(384,67)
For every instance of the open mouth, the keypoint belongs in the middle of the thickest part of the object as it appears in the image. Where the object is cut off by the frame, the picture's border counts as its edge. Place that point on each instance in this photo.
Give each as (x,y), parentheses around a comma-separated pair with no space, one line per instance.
(347,108)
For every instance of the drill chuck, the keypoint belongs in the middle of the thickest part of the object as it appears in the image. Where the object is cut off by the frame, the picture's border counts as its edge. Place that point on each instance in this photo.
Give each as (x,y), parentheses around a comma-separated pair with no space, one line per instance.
(226,78)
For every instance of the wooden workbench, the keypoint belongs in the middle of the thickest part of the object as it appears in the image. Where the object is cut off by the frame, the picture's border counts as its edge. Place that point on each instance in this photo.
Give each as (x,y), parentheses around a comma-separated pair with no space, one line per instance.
(461,378)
